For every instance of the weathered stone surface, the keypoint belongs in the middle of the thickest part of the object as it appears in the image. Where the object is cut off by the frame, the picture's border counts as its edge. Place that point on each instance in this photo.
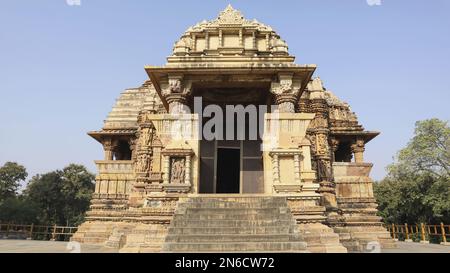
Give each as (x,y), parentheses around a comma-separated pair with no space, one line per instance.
(297,185)
(357,223)
(273,230)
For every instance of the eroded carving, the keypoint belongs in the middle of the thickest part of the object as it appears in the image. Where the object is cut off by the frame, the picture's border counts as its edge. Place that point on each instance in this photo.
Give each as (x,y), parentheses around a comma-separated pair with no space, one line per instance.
(178,169)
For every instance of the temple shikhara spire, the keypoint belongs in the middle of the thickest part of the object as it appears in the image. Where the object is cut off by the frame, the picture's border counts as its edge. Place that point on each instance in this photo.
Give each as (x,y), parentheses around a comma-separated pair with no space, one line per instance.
(290,177)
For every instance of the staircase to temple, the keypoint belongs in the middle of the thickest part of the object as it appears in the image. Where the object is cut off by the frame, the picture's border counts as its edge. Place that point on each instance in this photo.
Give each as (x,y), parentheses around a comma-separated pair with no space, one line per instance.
(233,224)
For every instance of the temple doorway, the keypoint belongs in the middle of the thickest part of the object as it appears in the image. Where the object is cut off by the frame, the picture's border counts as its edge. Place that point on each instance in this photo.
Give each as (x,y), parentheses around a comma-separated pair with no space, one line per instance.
(231,167)
(228,170)
(232,164)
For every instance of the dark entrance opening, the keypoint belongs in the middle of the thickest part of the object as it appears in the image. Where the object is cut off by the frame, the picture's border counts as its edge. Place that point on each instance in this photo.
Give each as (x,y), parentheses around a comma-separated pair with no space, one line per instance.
(228,170)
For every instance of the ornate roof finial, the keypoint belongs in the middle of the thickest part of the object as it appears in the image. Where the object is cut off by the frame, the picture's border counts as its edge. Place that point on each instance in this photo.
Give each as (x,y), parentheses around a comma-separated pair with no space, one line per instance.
(230,16)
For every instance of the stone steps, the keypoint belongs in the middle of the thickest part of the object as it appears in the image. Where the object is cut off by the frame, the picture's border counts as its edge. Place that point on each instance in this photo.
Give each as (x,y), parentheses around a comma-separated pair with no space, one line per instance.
(225,238)
(233,224)
(235,199)
(236,247)
(230,211)
(249,216)
(231,230)
(235,205)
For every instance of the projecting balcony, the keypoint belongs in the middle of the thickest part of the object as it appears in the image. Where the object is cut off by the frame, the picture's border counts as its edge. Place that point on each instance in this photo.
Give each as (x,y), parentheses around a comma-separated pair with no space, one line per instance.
(114,166)
(114,179)
(346,169)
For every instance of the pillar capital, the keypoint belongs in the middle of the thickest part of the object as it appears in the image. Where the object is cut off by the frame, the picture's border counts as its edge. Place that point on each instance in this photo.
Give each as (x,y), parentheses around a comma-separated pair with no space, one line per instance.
(177,84)
(334,144)
(286,91)
(358,148)
(109,145)
(176,92)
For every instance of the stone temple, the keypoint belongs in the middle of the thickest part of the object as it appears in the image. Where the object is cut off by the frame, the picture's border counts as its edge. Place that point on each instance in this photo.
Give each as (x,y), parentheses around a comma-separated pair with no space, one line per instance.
(300,186)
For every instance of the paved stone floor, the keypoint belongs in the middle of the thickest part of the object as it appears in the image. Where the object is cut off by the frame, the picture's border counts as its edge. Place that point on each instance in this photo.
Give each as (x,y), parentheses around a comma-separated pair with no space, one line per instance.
(24,246)
(418,248)
(28,246)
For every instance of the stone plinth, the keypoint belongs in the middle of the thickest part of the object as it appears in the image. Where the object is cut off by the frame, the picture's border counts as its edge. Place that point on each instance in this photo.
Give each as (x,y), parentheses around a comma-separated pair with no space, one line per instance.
(357,222)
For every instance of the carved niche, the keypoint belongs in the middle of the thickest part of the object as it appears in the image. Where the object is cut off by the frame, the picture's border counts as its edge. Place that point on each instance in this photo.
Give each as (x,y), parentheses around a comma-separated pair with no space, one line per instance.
(177,170)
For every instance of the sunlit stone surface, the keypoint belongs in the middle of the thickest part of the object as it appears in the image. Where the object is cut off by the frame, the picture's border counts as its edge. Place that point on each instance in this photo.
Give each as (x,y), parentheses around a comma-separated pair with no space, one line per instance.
(301,186)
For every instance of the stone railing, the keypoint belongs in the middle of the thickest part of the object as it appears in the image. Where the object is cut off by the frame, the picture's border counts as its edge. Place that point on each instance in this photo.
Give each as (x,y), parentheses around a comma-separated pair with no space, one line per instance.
(114,178)
(114,166)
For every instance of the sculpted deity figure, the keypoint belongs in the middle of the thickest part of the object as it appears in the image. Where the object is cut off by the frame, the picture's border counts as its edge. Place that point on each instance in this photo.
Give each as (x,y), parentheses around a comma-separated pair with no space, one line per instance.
(324,170)
(143,163)
(175,86)
(177,171)
(146,137)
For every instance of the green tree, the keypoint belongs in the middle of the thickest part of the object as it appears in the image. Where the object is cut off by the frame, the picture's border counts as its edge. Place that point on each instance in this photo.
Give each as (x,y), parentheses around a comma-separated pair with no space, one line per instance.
(18,210)
(78,186)
(417,187)
(45,191)
(62,196)
(11,174)
(428,152)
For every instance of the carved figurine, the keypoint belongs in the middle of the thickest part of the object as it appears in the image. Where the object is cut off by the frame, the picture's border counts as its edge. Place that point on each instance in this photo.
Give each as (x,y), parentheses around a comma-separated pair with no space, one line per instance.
(177,171)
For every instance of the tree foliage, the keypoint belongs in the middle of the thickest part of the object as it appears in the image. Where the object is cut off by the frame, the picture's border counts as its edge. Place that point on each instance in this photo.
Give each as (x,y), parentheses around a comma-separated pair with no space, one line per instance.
(60,197)
(417,187)
(18,210)
(11,174)
(428,152)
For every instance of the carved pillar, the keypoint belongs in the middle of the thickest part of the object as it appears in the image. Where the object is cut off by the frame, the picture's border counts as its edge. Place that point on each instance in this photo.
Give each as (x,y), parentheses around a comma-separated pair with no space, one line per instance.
(142,151)
(109,146)
(276,169)
(286,103)
(187,177)
(176,94)
(133,147)
(286,92)
(297,168)
(358,149)
(166,169)
(334,144)
(323,153)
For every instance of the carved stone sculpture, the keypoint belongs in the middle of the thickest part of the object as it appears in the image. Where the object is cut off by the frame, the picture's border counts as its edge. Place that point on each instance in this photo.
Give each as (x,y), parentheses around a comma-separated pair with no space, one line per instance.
(177,171)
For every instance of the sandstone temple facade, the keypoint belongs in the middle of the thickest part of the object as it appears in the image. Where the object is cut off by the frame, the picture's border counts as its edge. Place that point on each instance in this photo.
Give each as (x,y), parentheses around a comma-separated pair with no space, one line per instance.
(302,186)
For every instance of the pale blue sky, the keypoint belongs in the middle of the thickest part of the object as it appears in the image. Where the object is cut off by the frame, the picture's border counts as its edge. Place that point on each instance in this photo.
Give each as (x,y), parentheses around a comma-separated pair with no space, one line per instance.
(62,67)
